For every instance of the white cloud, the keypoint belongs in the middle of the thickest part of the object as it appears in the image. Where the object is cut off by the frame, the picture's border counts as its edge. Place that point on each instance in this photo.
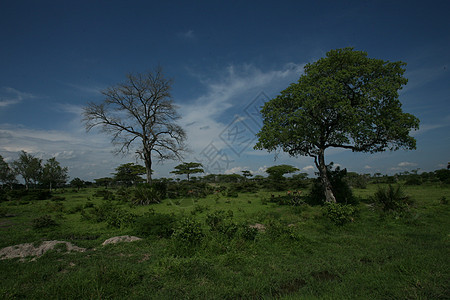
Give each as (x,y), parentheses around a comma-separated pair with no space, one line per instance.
(427,127)
(407,164)
(10,96)
(237,86)
(367,167)
(309,168)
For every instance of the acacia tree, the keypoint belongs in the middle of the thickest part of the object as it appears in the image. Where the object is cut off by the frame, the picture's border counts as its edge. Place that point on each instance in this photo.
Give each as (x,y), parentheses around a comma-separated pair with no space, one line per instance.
(276,172)
(129,174)
(53,174)
(140,115)
(29,167)
(188,168)
(345,100)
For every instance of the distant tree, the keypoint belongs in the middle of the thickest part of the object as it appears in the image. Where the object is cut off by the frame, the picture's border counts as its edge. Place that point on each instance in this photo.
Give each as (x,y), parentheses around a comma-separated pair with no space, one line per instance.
(345,100)
(276,173)
(188,169)
(140,111)
(53,174)
(7,176)
(77,182)
(104,181)
(29,167)
(129,174)
(247,174)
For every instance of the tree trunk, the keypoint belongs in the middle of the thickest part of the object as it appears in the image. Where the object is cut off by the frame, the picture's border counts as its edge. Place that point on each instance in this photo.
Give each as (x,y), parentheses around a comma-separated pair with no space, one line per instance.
(329,196)
(148,166)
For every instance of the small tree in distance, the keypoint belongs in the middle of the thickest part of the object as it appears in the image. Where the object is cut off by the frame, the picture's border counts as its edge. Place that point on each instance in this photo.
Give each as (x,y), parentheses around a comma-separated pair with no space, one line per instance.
(53,174)
(29,167)
(129,174)
(276,173)
(139,114)
(345,100)
(188,168)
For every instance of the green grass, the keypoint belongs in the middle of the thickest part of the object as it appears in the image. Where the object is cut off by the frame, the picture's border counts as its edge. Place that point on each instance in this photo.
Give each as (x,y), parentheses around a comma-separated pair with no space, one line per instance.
(377,256)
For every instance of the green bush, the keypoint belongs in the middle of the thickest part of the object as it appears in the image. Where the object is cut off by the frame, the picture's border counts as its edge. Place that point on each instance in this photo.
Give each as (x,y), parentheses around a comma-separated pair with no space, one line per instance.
(248,233)
(392,199)
(155,224)
(145,194)
(45,221)
(119,218)
(338,213)
(105,194)
(188,233)
(30,195)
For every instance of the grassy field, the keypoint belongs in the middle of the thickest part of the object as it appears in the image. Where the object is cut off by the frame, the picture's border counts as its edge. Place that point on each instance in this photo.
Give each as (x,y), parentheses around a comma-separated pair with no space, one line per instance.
(300,255)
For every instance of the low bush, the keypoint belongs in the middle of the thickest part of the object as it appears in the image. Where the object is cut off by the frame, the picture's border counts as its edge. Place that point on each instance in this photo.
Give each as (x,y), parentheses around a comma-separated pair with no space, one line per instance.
(189,233)
(338,213)
(45,221)
(155,224)
(105,194)
(30,195)
(392,198)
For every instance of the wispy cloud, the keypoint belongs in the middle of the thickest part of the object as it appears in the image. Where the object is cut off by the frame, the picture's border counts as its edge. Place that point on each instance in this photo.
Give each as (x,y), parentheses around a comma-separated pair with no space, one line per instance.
(188,35)
(10,96)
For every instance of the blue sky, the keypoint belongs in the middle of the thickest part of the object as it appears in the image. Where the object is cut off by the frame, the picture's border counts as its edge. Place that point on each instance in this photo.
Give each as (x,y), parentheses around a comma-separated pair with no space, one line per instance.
(226,58)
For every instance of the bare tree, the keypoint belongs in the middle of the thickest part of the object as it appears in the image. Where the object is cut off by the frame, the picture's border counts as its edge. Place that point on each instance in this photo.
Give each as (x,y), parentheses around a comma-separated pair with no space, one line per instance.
(140,115)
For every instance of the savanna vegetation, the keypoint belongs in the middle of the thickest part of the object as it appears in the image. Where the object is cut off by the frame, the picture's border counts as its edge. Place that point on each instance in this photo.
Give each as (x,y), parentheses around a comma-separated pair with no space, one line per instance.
(342,235)
(229,237)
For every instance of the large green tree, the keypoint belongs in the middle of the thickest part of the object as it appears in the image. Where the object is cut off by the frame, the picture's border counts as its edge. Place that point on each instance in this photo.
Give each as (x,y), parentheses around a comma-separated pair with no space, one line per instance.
(188,169)
(129,174)
(53,174)
(345,100)
(29,167)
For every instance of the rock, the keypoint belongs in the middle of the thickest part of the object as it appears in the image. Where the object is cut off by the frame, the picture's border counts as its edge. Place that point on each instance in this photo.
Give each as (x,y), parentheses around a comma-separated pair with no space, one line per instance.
(121,239)
(28,249)
(258,226)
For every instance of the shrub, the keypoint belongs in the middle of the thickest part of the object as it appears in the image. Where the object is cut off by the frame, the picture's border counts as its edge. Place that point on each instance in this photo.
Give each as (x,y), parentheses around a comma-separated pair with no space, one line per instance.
(155,224)
(145,194)
(338,213)
(188,233)
(119,218)
(29,195)
(107,195)
(43,222)
(248,233)
(392,199)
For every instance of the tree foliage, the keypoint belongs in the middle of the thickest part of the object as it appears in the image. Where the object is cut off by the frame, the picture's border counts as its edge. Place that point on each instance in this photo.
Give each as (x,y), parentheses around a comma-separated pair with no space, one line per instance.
(139,114)
(345,100)
(53,174)
(277,172)
(188,168)
(29,167)
(129,174)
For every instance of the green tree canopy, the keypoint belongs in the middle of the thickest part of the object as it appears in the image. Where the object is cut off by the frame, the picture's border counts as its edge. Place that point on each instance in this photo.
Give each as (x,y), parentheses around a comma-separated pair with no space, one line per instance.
(53,174)
(129,174)
(276,172)
(77,182)
(345,100)
(188,168)
(29,167)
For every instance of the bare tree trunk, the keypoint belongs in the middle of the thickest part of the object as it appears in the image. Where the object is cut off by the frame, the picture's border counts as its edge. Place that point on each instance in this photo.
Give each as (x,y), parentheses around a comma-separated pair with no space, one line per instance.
(329,196)
(148,166)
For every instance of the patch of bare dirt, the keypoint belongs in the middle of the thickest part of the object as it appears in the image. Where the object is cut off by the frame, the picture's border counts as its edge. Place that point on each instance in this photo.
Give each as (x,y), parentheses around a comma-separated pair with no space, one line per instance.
(28,249)
(121,239)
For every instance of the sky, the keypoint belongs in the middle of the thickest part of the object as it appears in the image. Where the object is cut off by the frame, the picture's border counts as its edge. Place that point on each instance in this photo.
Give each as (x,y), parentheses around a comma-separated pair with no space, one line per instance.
(226,59)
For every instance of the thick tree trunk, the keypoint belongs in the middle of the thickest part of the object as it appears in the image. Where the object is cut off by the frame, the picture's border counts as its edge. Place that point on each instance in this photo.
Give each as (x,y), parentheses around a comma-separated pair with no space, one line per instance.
(148,166)
(329,196)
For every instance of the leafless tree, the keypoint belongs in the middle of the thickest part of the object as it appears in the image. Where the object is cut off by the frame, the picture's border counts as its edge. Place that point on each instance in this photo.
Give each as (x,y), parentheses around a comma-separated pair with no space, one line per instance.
(139,114)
